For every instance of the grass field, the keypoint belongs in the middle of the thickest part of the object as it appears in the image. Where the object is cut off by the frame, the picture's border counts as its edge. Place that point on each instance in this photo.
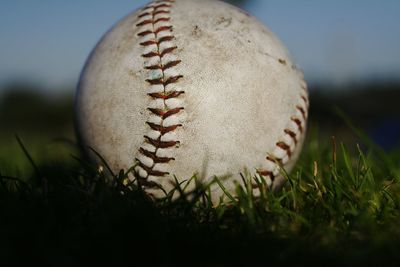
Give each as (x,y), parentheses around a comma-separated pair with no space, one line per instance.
(339,206)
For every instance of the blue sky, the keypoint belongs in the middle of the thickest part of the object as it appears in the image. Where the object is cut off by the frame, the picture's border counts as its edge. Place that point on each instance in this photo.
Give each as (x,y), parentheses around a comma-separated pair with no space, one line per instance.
(48,41)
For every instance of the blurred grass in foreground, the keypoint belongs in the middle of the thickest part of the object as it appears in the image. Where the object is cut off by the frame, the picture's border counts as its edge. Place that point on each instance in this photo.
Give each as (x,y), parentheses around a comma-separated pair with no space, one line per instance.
(339,206)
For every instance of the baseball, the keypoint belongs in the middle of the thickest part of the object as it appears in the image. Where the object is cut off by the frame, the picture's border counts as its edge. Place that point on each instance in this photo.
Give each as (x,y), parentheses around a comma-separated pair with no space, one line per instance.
(185,87)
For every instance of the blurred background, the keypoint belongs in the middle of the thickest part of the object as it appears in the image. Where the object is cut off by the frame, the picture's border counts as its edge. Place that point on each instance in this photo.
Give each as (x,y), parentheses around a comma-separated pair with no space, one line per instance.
(347,49)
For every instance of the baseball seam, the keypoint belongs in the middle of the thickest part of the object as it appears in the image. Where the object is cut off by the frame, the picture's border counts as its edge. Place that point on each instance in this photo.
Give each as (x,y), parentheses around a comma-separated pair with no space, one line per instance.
(166,103)
(289,140)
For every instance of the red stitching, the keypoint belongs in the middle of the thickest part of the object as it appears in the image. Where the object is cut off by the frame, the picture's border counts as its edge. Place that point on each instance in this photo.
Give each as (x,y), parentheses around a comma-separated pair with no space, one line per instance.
(154,157)
(285,147)
(162,54)
(152,21)
(144,14)
(155,7)
(166,95)
(165,114)
(161,12)
(161,144)
(161,19)
(162,129)
(147,43)
(161,6)
(167,51)
(151,54)
(144,33)
(302,111)
(145,22)
(164,67)
(165,39)
(153,10)
(163,28)
(158,30)
(150,170)
(163,81)
(292,135)
(298,122)
(157,42)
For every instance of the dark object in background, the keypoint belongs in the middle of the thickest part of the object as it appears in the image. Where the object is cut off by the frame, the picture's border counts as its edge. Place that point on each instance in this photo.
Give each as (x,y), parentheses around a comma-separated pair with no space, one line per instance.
(28,108)
(372,106)
(386,132)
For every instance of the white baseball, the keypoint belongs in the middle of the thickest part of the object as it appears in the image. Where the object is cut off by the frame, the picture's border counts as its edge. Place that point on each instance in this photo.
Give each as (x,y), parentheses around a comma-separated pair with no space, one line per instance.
(192,87)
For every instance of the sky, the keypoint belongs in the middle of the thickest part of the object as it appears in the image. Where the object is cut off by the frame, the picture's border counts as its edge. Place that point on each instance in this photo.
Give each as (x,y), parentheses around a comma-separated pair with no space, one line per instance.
(340,41)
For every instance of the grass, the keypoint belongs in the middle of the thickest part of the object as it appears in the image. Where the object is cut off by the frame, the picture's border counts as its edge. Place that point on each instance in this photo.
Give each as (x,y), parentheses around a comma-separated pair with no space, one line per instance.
(339,206)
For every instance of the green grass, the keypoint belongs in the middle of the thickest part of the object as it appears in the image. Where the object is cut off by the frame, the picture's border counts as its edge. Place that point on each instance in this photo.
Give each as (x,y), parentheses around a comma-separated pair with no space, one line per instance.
(339,206)
(43,148)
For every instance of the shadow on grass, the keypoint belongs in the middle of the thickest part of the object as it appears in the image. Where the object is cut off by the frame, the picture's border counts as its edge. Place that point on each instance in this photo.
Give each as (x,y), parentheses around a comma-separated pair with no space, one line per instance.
(343,211)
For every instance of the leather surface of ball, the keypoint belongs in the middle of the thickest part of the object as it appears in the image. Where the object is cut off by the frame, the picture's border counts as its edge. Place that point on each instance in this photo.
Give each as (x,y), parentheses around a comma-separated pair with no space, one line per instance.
(190,87)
